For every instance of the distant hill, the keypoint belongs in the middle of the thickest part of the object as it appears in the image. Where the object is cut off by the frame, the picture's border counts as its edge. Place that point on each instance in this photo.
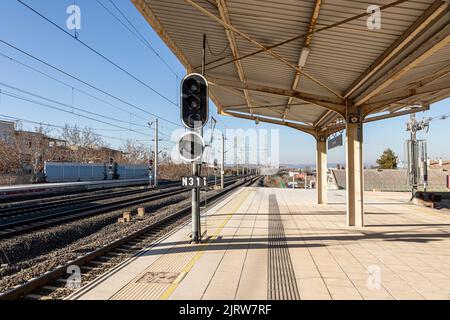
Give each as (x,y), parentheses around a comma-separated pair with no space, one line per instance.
(313,166)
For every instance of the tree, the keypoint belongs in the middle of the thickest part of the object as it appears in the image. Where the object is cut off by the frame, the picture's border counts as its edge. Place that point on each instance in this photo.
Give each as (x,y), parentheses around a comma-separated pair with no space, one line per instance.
(135,153)
(388,160)
(83,142)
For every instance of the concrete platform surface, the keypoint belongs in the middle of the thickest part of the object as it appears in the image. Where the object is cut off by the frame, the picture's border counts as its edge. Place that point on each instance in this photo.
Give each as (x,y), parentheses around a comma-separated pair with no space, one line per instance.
(267,243)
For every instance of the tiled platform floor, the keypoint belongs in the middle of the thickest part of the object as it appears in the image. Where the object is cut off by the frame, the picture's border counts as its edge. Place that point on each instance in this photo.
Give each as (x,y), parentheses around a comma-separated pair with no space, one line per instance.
(402,253)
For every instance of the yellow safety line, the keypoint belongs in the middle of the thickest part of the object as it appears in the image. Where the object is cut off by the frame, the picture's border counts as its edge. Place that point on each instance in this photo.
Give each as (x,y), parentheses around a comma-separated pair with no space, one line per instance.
(239,201)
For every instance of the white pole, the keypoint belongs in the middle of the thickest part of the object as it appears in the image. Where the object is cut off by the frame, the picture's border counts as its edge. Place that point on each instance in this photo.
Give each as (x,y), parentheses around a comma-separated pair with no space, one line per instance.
(155,170)
(222,169)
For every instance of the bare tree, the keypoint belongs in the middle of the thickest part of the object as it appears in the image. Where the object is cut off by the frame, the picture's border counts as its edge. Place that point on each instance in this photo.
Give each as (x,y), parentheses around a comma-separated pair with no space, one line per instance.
(10,156)
(135,152)
(83,142)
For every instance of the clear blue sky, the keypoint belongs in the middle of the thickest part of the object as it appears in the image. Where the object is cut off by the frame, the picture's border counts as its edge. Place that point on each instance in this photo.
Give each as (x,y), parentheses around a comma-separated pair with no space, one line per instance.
(24,29)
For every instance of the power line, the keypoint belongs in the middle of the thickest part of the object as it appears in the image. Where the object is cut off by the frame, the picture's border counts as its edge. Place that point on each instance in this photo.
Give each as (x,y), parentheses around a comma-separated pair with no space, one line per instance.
(69,106)
(444,116)
(136,33)
(74,88)
(19,97)
(6,117)
(69,86)
(86,83)
(98,53)
(72,107)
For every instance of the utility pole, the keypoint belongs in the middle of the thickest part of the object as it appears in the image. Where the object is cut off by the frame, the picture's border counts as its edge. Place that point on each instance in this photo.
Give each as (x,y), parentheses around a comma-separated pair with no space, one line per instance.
(413,165)
(222,169)
(155,170)
(417,153)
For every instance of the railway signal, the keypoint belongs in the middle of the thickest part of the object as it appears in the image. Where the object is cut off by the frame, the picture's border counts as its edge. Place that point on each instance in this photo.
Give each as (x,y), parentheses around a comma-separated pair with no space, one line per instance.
(111,163)
(194,101)
(194,116)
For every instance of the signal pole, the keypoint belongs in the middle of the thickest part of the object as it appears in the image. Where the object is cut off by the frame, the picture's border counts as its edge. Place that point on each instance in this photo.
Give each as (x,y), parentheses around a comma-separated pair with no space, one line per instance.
(196,171)
(194,116)
(222,169)
(413,168)
(155,170)
(196,231)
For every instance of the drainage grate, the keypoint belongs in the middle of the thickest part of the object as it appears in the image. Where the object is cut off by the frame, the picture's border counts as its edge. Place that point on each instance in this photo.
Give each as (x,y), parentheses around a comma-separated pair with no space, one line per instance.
(281,277)
(158,277)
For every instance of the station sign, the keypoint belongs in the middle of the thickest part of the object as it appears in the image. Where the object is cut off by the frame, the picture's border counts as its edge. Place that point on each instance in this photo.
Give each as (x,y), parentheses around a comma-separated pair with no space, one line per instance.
(194,182)
(335,142)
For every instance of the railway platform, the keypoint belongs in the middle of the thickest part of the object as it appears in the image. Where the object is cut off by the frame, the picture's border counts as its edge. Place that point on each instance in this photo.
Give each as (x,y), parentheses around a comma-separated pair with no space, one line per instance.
(264,243)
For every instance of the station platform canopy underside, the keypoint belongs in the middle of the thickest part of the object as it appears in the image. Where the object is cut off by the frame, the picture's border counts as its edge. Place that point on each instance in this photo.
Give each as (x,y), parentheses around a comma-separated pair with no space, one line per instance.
(319,66)
(311,64)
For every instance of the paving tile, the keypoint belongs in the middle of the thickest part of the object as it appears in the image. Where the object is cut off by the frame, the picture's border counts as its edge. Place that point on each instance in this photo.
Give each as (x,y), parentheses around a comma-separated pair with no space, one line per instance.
(330,260)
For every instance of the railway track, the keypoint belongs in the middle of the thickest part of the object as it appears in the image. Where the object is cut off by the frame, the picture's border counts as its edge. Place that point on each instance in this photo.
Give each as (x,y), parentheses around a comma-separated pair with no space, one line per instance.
(47,218)
(104,258)
(33,208)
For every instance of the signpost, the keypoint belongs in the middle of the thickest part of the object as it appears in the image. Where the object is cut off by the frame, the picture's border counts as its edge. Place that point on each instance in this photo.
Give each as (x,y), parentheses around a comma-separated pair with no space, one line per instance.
(192,182)
(194,116)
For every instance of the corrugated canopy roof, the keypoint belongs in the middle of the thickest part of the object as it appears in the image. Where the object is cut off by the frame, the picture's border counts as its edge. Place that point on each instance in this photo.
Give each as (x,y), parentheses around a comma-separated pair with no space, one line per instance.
(256,67)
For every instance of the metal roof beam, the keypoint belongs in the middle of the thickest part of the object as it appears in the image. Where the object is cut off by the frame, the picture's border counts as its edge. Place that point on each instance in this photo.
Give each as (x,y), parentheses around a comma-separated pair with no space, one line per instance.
(307,129)
(396,114)
(436,43)
(432,14)
(419,83)
(225,16)
(323,125)
(380,117)
(259,45)
(306,44)
(402,95)
(321,101)
(322,118)
(327,27)
(244,106)
(154,22)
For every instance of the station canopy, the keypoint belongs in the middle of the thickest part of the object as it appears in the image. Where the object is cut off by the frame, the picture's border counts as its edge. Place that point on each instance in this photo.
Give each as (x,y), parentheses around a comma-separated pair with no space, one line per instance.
(303,63)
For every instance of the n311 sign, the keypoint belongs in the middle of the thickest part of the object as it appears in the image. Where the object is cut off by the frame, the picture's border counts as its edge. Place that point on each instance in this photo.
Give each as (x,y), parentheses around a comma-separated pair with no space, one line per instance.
(194,182)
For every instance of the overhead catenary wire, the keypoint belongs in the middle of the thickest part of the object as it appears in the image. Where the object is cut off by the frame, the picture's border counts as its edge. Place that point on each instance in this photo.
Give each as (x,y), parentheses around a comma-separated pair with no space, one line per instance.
(69,106)
(135,32)
(23,98)
(72,107)
(16,96)
(99,53)
(69,85)
(19,97)
(76,89)
(45,124)
(86,83)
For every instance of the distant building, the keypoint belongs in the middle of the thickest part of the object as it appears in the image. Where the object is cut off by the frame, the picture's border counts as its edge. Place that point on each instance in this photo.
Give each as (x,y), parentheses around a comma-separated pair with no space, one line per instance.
(440,164)
(26,150)
(7,129)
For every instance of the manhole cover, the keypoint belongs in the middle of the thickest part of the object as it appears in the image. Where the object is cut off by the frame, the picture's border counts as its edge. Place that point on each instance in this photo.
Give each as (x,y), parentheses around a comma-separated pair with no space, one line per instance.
(158,277)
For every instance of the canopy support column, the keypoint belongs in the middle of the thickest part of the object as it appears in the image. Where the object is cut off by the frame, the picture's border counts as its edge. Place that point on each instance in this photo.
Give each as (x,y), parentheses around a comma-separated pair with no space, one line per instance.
(355,172)
(321,170)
